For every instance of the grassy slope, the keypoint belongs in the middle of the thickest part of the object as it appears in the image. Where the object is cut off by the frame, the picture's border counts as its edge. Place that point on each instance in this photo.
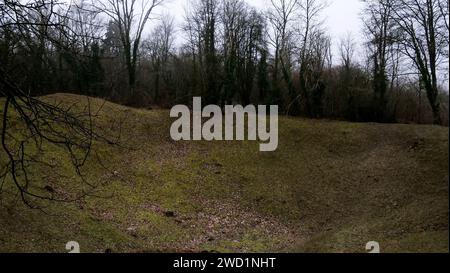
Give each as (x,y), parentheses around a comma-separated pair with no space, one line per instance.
(330,187)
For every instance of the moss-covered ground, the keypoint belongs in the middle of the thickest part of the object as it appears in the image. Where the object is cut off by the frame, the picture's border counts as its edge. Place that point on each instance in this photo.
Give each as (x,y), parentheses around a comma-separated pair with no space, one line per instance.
(330,187)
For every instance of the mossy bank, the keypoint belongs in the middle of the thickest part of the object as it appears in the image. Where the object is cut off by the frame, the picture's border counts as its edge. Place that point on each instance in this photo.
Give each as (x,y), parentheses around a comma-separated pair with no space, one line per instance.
(330,187)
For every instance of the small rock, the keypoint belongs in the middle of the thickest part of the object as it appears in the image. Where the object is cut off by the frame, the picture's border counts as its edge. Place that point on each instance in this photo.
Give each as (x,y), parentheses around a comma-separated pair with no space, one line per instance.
(49,189)
(131,229)
(169,214)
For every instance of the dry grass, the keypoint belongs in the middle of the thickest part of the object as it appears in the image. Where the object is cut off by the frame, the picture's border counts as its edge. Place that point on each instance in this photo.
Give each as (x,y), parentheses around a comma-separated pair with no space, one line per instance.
(330,187)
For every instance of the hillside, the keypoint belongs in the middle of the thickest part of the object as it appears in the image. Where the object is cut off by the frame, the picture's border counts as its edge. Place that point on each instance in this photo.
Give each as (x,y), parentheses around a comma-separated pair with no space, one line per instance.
(330,187)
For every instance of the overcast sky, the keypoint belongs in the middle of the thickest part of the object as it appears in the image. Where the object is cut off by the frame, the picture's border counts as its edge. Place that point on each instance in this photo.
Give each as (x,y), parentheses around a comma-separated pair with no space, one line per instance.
(342,16)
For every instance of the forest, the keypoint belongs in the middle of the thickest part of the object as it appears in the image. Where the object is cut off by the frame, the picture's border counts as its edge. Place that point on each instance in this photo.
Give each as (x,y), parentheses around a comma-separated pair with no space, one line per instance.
(133,53)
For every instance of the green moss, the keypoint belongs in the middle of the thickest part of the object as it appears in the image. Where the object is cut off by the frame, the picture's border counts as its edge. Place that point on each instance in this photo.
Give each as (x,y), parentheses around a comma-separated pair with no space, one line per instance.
(330,187)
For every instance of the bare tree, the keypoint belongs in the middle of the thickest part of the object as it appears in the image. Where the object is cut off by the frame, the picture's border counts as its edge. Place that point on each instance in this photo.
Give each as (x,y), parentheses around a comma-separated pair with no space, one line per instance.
(424,30)
(131,18)
(380,31)
(233,20)
(159,48)
(281,16)
(202,24)
(444,13)
(347,48)
(243,29)
(295,35)
(310,28)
